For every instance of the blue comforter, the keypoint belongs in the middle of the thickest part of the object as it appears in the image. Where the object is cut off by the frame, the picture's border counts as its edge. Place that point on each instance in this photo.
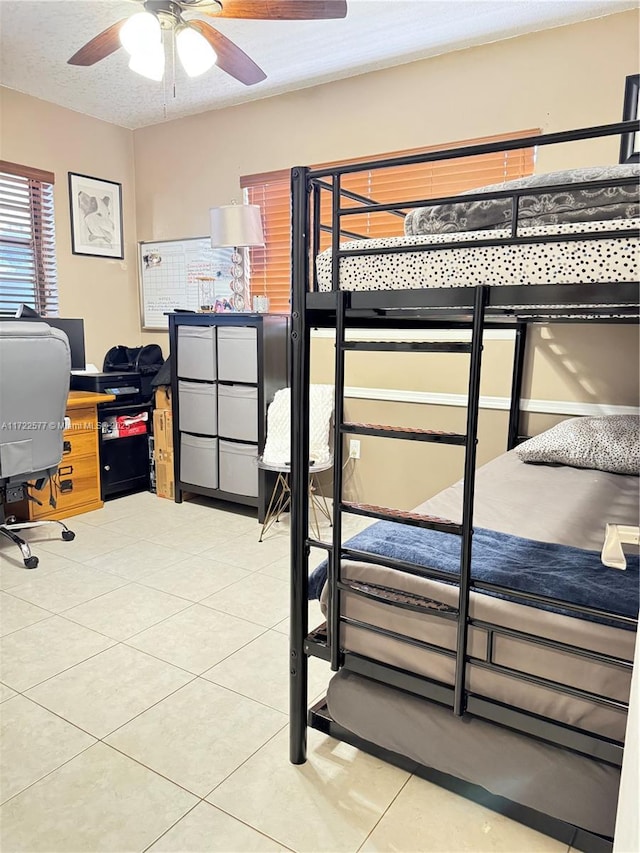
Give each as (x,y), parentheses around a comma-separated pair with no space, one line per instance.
(570,574)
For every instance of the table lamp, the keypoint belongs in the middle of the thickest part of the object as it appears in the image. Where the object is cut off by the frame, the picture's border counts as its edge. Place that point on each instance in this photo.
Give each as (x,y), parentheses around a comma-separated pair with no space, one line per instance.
(238,226)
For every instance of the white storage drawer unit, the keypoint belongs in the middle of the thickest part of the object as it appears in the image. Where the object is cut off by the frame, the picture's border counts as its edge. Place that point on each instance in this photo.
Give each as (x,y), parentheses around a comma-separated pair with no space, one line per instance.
(199,460)
(239,468)
(227,368)
(238,412)
(198,407)
(197,352)
(238,354)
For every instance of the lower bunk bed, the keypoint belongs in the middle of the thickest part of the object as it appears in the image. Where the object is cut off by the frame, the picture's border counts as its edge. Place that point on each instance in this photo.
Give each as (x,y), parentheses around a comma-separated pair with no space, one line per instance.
(538,529)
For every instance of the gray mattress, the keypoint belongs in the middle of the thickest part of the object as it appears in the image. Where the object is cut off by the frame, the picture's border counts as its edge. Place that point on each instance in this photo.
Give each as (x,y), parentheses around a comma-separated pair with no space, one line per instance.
(564,505)
(556,782)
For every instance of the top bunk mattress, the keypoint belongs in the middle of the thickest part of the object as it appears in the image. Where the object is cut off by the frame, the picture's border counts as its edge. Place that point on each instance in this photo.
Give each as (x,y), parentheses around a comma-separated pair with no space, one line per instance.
(586,261)
(547,213)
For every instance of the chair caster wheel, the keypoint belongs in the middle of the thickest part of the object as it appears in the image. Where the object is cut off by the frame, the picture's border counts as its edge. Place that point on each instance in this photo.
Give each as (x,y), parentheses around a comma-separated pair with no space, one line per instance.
(68,535)
(31,563)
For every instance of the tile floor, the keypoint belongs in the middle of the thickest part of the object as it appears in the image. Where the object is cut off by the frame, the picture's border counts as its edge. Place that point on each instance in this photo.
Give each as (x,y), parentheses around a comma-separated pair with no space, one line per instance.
(143,682)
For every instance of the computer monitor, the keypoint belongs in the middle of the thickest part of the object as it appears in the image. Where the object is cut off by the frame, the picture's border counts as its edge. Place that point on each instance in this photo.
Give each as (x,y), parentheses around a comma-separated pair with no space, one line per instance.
(73,329)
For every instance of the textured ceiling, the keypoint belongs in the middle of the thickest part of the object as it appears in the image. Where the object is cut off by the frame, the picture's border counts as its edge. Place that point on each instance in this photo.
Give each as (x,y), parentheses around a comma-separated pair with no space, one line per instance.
(38,36)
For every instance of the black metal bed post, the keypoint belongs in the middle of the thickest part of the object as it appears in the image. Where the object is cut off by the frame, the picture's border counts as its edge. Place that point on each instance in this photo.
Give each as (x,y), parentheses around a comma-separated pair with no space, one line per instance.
(300,346)
(519,351)
(335,561)
(473,404)
(335,557)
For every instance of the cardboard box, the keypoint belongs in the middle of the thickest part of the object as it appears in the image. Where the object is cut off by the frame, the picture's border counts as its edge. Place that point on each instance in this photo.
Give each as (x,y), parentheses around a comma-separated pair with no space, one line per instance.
(163,429)
(163,455)
(163,397)
(165,484)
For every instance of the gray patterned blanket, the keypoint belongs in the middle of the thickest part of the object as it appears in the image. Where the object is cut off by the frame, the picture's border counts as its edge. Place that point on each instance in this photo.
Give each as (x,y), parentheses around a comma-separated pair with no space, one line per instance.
(582,205)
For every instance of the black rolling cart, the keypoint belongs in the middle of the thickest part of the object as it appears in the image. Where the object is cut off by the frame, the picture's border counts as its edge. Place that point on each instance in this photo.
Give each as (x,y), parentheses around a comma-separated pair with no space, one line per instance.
(125,425)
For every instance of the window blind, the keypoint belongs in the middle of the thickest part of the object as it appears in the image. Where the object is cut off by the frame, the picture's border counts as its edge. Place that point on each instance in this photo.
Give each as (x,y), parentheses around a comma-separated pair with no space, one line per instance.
(271,266)
(27,240)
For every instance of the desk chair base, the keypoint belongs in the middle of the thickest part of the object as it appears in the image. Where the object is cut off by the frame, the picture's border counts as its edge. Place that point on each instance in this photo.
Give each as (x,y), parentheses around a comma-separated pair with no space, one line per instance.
(7,530)
(281,500)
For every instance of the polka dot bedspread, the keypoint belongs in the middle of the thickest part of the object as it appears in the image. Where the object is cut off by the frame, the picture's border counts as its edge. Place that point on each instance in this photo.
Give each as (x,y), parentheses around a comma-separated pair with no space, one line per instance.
(604,260)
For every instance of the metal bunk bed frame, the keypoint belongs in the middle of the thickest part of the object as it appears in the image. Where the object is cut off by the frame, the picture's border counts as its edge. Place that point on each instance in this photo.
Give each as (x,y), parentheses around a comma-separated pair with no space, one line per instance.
(477,308)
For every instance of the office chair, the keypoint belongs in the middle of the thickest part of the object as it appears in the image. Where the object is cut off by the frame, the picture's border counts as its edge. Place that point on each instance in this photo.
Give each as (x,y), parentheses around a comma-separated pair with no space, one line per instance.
(35,365)
(277,453)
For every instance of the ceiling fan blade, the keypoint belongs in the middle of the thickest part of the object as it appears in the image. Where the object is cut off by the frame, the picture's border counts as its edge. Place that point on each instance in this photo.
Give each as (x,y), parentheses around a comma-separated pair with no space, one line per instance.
(281,10)
(231,58)
(99,47)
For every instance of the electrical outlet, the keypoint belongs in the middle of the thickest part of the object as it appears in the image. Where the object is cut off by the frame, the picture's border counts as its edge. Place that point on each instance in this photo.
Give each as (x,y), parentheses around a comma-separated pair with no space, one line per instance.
(354,449)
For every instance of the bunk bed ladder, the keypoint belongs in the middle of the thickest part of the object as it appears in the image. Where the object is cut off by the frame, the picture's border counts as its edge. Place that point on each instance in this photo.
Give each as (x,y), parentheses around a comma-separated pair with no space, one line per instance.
(468,439)
(473,403)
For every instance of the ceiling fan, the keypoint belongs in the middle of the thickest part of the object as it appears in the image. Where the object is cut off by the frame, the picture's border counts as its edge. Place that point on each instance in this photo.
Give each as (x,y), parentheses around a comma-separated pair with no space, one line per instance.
(198,43)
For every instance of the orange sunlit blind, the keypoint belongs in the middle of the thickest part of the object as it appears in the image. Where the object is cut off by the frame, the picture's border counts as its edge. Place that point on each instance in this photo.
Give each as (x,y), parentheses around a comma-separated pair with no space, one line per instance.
(271,267)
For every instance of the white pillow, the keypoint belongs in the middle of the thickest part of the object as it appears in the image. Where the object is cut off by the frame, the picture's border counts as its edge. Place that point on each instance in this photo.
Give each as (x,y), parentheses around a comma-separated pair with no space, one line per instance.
(609,443)
(320,411)
(277,450)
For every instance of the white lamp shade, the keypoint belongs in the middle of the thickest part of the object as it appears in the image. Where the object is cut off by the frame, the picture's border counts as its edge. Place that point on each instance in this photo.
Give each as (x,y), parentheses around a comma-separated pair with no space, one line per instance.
(195,52)
(149,62)
(236,225)
(140,33)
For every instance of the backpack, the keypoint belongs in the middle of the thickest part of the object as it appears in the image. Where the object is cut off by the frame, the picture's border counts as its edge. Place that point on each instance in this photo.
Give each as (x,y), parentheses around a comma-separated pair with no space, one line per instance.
(146,361)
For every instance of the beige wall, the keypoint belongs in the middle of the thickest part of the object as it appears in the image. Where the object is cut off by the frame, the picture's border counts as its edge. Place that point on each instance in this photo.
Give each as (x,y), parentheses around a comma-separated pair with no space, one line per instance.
(172,173)
(560,367)
(551,80)
(102,291)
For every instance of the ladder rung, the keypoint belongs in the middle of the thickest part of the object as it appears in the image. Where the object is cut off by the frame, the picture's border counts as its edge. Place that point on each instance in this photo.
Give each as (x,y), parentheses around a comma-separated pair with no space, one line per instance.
(408,346)
(415,519)
(407,433)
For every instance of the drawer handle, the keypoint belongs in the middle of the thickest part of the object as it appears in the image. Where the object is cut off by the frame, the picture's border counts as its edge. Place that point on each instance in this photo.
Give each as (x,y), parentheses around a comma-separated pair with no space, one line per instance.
(66,447)
(65,471)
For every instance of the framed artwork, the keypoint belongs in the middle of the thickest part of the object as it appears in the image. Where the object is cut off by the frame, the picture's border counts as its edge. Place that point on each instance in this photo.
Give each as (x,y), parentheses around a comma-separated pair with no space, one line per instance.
(630,142)
(96,217)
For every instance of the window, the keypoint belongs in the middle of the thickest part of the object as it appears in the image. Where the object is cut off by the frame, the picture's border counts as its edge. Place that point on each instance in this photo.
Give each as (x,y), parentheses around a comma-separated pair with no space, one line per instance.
(271,266)
(27,240)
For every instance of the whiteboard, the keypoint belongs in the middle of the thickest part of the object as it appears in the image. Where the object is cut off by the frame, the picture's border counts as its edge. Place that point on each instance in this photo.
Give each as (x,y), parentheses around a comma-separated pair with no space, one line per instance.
(171,273)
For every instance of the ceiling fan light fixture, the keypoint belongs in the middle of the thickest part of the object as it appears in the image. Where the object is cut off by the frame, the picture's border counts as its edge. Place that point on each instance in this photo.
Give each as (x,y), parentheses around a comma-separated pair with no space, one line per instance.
(195,52)
(149,62)
(141,32)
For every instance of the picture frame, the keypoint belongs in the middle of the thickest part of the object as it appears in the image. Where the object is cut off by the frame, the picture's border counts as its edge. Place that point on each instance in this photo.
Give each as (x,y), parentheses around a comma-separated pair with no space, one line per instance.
(630,142)
(96,217)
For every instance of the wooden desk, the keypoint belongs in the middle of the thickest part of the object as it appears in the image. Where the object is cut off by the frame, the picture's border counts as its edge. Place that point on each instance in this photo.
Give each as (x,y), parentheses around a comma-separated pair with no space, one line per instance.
(76,486)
